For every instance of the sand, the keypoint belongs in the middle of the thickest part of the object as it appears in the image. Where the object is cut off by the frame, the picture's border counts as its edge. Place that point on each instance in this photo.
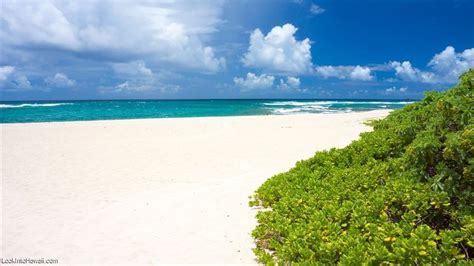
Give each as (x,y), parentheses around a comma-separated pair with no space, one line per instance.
(152,190)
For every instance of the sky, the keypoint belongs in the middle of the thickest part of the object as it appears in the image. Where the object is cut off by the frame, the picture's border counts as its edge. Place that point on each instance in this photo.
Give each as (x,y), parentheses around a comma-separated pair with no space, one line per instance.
(171,49)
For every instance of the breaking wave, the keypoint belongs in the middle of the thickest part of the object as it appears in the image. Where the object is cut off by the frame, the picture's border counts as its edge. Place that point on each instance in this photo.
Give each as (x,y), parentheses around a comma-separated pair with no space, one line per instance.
(33,105)
(302,107)
(295,103)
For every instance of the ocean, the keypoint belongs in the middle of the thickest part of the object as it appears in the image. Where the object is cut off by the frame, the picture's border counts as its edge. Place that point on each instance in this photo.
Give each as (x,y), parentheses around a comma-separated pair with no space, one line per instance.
(25,112)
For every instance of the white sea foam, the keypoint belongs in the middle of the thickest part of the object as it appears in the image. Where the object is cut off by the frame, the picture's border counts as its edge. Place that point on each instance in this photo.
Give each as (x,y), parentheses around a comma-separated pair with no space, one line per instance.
(284,111)
(33,105)
(325,107)
(307,110)
(293,103)
(296,103)
(373,102)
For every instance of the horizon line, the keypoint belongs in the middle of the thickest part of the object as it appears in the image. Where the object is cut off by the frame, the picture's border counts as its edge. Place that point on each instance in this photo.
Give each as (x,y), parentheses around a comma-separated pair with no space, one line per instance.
(221,99)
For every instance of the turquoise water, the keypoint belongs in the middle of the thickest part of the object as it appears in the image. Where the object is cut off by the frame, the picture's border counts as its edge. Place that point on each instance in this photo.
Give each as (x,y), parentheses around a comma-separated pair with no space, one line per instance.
(23,112)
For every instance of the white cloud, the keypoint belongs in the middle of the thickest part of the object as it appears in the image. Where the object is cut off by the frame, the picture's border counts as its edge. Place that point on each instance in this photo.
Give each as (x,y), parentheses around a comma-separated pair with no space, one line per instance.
(163,31)
(279,51)
(291,83)
(344,72)
(122,86)
(60,80)
(253,81)
(394,89)
(138,78)
(361,73)
(12,80)
(134,68)
(316,10)
(449,65)
(143,87)
(294,82)
(134,86)
(407,72)
(445,67)
(5,72)
(21,82)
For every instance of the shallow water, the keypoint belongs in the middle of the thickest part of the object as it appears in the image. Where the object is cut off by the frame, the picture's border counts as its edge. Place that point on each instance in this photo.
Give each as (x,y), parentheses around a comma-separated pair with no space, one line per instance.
(21,112)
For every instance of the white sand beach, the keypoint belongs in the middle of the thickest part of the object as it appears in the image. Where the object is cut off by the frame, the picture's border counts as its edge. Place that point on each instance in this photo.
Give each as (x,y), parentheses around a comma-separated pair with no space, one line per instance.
(150,191)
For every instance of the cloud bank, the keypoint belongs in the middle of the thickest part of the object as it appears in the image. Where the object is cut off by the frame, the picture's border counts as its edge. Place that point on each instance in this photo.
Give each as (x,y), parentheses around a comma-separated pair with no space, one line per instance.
(162,31)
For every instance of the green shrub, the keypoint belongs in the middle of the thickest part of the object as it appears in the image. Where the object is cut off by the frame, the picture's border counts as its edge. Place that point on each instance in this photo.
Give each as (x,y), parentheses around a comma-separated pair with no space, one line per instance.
(401,194)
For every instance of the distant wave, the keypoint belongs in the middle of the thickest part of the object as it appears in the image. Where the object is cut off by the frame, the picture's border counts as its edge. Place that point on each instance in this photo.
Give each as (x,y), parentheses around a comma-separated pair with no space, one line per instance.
(296,103)
(307,110)
(319,103)
(331,106)
(33,105)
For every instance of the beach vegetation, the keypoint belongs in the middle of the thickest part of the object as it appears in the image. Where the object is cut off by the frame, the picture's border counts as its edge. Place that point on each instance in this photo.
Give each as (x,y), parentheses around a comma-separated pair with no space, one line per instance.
(400,194)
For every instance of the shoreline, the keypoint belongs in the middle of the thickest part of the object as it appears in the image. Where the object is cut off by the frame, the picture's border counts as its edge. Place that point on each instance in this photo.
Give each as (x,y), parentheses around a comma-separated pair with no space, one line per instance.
(151,191)
(198,117)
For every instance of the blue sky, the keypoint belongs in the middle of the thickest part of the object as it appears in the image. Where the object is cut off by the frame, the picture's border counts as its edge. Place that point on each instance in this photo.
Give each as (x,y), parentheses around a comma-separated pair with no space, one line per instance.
(53,50)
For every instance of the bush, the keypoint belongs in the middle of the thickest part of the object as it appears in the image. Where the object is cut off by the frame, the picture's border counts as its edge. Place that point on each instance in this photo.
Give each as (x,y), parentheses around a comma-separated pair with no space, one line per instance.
(400,194)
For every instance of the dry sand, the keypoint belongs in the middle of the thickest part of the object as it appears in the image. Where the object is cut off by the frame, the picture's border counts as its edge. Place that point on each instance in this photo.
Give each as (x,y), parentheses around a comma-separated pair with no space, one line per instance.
(150,191)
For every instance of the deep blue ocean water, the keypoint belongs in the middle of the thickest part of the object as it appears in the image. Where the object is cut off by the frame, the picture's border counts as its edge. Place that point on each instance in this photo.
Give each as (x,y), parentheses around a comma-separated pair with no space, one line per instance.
(23,112)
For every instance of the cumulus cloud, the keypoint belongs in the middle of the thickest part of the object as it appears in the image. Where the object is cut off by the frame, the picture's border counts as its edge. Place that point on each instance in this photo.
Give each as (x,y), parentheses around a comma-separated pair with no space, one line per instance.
(163,31)
(60,80)
(252,81)
(344,72)
(407,72)
(361,73)
(444,67)
(449,65)
(316,10)
(291,83)
(12,80)
(21,82)
(279,51)
(5,72)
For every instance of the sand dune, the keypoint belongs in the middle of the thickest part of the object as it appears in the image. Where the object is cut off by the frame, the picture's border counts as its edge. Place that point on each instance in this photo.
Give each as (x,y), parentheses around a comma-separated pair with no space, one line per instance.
(150,191)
